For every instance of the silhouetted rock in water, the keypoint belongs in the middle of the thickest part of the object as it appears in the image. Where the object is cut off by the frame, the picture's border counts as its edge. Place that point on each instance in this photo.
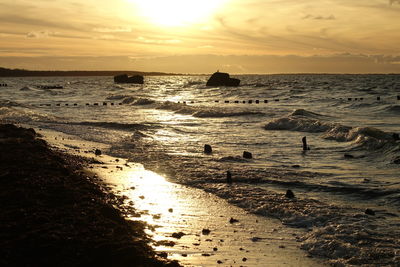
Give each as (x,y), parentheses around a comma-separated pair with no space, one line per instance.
(222,79)
(97,152)
(228,177)
(123,78)
(289,194)
(232,220)
(348,156)
(207,149)
(305,147)
(396,160)
(296,166)
(369,212)
(50,87)
(396,136)
(247,155)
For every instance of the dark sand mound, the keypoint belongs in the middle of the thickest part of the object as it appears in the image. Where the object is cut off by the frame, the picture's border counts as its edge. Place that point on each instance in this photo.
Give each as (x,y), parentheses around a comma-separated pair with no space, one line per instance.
(52,214)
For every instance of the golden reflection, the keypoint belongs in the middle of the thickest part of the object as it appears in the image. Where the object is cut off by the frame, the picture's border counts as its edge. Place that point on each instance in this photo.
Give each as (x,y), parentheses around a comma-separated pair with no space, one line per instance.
(151,193)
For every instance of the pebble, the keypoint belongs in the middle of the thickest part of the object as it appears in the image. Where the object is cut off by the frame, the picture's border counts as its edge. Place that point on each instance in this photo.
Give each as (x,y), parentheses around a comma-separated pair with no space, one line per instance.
(232,220)
(178,235)
(206,231)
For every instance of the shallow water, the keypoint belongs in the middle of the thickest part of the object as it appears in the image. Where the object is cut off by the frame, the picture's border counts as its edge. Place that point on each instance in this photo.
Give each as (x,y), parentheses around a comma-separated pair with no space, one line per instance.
(340,115)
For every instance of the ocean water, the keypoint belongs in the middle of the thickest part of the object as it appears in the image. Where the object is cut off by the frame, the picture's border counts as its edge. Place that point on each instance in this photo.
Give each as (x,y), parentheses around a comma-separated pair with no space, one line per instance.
(351,123)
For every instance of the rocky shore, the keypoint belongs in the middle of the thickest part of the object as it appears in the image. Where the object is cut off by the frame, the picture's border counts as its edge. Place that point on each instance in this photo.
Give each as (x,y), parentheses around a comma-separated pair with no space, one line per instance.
(53,213)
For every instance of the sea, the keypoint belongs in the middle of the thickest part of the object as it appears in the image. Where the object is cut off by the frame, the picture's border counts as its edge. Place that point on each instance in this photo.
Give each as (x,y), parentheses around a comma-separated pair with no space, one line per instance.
(345,181)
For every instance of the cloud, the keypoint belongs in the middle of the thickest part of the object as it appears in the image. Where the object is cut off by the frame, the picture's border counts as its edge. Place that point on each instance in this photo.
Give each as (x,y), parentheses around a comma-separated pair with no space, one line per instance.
(142,39)
(319,17)
(391,2)
(205,46)
(40,34)
(113,30)
(105,37)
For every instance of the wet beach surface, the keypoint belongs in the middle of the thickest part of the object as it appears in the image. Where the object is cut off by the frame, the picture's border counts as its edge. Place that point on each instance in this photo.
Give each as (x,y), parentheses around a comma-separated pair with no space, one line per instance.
(189,225)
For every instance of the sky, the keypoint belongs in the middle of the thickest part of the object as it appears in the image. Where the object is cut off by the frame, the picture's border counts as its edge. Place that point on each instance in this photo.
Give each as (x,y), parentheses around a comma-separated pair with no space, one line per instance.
(202,36)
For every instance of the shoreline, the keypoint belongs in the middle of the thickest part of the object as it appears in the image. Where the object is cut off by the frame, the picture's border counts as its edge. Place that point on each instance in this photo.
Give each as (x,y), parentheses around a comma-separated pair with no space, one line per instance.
(55,214)
(176,216)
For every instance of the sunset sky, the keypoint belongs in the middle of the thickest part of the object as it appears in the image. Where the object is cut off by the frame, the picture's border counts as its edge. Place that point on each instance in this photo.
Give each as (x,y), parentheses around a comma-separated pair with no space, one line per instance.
(187,36)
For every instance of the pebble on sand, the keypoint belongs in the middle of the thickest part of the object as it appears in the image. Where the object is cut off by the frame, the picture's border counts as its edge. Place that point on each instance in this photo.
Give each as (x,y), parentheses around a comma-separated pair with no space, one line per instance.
(232,220)
(205,231)
(178,235)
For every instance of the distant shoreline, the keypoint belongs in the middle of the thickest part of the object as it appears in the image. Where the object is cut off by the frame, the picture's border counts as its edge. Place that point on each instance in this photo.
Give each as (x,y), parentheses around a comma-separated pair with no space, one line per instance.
(4,72)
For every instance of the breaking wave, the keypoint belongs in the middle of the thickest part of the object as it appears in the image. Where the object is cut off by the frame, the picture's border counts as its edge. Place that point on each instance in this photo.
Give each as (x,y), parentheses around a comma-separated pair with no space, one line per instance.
(204,112)
(368,138)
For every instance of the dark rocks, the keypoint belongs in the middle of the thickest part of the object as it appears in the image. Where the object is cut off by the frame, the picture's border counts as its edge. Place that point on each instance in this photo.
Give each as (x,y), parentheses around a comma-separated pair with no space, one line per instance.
(222,79)
(348,156)
(50,87)
(178,235)
(396,160)
(289,194)
(305,147)
(123,78)
(247,155)
(165,243)
(396,136)
(232,220)
(97,152)
(205,231)
(369,212)
(228,177)
(207,149)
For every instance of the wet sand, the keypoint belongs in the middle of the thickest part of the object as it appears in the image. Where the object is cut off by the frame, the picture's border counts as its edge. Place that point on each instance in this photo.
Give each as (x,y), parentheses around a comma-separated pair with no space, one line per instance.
(189,225)
(55,214)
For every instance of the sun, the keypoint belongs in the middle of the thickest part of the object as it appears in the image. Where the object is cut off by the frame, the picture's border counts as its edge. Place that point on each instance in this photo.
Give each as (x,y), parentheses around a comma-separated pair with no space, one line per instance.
(170,13)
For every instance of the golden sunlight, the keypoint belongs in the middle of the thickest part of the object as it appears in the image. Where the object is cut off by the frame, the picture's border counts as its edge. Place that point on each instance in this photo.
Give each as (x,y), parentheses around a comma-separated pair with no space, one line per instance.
(177,12)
